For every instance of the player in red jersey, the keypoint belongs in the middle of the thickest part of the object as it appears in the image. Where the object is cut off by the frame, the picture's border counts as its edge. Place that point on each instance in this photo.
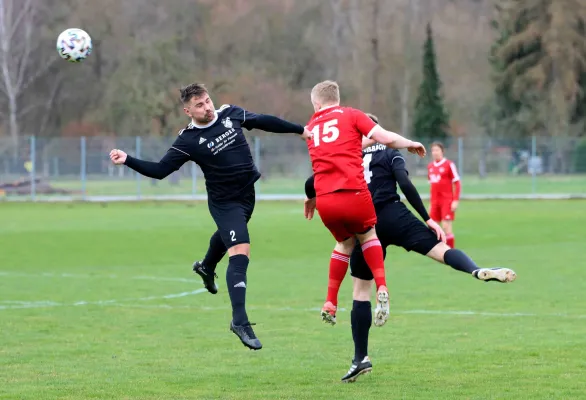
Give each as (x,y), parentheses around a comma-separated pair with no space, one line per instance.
(445,190)
(343,200)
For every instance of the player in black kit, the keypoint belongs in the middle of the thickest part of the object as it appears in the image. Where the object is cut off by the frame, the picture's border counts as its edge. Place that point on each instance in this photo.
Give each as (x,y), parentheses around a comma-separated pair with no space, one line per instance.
(384,169)
(215,141)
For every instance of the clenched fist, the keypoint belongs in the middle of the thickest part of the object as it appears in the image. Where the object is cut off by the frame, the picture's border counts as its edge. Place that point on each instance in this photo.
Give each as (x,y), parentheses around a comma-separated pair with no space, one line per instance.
(417,148)
(118,157)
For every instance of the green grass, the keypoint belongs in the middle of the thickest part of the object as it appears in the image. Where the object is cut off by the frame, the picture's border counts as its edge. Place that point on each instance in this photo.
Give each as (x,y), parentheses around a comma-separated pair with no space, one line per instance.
(471,184)
(145,346)
(493,184)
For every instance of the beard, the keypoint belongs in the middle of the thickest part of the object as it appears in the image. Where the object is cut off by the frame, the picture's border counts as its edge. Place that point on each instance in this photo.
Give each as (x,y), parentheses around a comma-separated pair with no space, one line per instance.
(205,119)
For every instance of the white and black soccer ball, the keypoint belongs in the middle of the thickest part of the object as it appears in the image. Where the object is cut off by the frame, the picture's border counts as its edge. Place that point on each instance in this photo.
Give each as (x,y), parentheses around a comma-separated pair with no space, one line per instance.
(74,45)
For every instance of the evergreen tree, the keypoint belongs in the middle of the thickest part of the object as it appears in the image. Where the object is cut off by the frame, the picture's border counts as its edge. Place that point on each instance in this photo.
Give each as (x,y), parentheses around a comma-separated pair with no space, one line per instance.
(430,119)
(499,115)
(539,62)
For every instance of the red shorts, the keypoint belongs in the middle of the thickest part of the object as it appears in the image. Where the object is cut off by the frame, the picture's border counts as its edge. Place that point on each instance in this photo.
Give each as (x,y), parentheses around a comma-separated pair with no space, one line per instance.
(346,212)
(441,210)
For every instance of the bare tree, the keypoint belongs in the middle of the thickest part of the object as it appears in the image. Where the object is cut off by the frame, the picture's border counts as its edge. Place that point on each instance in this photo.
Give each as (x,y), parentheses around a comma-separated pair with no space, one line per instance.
(410,19)
(19,68)
(376,58)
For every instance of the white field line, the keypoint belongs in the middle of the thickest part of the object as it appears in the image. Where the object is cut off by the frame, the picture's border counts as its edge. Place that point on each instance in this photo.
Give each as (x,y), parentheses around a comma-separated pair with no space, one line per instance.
(11,304)
(396,312)
(135,302)
(88,276)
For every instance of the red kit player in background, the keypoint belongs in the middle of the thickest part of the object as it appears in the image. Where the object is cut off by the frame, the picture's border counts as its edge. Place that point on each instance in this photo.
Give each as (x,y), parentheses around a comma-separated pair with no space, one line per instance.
(343,200)
(445,190)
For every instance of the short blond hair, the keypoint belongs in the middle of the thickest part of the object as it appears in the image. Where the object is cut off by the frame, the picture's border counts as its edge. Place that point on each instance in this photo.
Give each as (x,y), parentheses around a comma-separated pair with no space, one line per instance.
(326,92)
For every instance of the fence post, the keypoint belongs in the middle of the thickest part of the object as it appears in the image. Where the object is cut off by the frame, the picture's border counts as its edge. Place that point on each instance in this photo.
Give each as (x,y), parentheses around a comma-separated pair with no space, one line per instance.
(257,158)
(83,167)
(193,179)
(533,170)
(138,176)
(33,155)
(461,156)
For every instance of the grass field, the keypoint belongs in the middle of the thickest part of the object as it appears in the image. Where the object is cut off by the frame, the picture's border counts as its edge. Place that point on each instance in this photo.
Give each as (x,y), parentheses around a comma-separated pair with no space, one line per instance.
(98,301)
(471,184)
(493,184)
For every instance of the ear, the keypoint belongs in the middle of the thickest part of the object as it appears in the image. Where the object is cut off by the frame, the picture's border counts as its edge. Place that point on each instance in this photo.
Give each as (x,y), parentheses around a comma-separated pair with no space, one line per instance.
(186,111)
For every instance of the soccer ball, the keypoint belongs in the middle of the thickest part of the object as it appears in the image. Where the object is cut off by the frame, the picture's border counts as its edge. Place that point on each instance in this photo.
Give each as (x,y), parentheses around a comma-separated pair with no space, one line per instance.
(74,45)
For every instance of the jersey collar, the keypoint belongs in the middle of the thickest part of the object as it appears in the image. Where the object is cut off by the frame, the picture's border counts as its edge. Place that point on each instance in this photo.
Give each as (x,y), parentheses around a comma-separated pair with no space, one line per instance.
(437,164)
(194,125)
(323,110)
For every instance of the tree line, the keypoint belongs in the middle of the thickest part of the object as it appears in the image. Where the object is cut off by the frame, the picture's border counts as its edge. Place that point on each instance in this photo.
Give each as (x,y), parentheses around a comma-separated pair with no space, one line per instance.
(443,68)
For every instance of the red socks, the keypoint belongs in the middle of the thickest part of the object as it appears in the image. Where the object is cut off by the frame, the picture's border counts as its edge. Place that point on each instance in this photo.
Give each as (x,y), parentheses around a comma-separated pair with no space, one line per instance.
(338,267)
(373,255)
(450,240)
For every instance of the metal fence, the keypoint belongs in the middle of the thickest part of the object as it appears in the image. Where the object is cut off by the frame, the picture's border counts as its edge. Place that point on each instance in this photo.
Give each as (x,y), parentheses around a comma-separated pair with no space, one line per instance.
(41,168)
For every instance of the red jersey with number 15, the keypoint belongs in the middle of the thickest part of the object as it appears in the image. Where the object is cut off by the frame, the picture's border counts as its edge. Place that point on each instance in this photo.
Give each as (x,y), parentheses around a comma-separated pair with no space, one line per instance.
(336,148)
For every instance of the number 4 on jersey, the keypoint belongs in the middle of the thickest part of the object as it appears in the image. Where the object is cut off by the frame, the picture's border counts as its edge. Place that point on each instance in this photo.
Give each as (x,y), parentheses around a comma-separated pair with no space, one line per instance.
(329,133)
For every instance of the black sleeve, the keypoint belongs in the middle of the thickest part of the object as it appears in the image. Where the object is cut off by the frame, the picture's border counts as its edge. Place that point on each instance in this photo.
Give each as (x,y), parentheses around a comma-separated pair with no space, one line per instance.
(407,187)
(310,188)
(176,156)
(270,123)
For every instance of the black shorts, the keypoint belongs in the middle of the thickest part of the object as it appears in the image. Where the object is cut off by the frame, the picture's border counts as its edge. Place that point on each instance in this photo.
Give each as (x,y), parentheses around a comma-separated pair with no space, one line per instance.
(232,216)
(396,226)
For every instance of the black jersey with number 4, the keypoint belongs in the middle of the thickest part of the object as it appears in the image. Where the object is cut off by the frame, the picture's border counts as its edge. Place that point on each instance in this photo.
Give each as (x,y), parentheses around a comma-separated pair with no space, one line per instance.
(220,149)
(380,163)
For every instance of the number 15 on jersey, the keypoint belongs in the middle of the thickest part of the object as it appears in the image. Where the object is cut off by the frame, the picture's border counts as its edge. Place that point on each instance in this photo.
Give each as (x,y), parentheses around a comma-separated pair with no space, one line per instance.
(329,133)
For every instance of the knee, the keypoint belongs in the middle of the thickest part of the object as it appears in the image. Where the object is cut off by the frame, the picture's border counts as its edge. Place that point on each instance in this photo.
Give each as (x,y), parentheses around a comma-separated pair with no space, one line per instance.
(438,252)
(242,248)
(345,247)
(371,234)
(447,227)
(362,290)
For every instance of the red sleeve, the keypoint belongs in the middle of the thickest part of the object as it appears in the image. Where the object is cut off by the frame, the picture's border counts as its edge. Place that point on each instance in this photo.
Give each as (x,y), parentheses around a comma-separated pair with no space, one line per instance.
(457,189)
(455,180)
(362,122)
(454,172)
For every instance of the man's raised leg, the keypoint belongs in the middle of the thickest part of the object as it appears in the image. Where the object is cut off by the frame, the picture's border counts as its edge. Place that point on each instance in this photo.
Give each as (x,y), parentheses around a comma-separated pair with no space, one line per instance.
(460,261)
(207,267)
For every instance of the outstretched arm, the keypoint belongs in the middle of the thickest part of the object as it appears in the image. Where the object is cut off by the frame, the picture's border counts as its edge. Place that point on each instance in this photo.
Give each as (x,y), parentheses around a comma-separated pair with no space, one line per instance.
(270,123)
(395,141)
(170,162)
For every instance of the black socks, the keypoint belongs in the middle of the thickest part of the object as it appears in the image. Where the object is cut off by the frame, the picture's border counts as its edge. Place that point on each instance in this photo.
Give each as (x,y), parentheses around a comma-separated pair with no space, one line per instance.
(458,260)
(215,253)
(236,280)
(361,319)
